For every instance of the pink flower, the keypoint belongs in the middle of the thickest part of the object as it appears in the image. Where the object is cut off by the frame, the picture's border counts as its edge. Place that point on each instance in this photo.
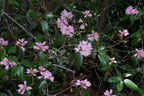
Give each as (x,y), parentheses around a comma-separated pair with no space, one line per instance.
(82,27)
(84,48)
(23,88)
(80,21)
(87,13)
(41,69)
(61,22)
(32,71)
(124,33)
(46,75)
(131,11)
(140,53)
(67,15)
(21,43)
(7,63)
(109,93)
(40,46)
(2,42)
(67,30)
(83,83)
(93,36)
(112,60)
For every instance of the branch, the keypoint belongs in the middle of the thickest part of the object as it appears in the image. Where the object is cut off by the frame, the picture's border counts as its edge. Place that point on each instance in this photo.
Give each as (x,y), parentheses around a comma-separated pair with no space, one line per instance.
(19,25)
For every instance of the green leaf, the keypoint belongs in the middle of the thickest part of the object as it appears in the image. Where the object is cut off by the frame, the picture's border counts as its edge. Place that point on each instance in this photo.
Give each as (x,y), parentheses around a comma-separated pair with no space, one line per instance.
(104,60)
(21,73)
(12,50)
(39,38)
(26,63)
(114,79)
(14,71)
(49,16)
(141,92)
(118,73)
(124,18)
(79,61)
(42,85)
(44,25)
(94,53)
(3,72)
(59,40)
(32,13)
(12,58)
(3,94)
(127,74)
(72,58)
(120,86)
(77,91)
(130,84)
(30,45)
(42,57)
(87,93)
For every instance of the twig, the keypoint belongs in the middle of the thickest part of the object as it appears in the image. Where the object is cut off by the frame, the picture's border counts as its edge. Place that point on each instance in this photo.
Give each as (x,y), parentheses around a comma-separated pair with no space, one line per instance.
(63,68)
(19,25)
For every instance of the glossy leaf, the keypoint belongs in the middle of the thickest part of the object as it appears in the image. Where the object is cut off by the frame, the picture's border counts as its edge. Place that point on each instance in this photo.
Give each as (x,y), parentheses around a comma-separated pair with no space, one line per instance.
(42,85)
(21,73)
(79,61)
(44,25)
(120,86)
(130,84)
(32,13)
(114,79)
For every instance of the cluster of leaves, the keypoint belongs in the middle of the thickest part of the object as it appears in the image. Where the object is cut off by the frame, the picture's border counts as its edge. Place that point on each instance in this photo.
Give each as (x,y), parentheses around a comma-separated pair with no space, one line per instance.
(35,20)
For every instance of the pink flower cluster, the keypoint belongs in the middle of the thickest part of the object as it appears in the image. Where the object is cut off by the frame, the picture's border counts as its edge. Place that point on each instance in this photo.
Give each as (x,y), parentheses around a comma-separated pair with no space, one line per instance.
(3,42)
(93,36)
(140,53)
(87,13)
(112,60)
(32,72)
(40,46)
(23,88)
(84,48)
(21,43)
(131,11)
(83,83)
(7,63)
(123,33)
(109,93)
(45,74)
(62,23)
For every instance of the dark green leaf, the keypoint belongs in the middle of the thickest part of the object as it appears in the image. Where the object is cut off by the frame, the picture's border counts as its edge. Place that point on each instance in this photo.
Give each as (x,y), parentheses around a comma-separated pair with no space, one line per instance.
(44,25)
(79,61)
(59,40)
(42,57)
(39,37)
(127,74)
(104,60)
(77,91)
(3,72)
(12,50)
(118,73)
(32,13)
(49,16)
(42,85)
(26,63)
(3,94)
(14,71)
(87,93)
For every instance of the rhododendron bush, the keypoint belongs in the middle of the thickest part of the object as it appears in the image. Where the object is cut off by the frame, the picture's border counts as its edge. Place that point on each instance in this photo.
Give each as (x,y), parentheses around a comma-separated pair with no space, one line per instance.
(71,48)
